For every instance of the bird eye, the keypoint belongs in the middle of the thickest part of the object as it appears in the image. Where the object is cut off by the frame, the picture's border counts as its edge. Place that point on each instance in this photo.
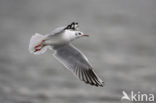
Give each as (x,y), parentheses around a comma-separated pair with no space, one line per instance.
(79,33)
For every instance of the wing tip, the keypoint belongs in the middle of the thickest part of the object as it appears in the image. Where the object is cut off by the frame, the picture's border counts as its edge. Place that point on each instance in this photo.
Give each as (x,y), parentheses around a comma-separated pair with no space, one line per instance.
(97,85)
(93,79)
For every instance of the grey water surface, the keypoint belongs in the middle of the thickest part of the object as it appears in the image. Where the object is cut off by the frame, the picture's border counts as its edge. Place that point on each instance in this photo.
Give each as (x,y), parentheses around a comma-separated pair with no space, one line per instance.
(121,48)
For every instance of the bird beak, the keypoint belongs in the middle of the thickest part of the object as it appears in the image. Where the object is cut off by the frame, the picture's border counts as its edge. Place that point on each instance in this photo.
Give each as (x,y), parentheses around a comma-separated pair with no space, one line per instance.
(85,35)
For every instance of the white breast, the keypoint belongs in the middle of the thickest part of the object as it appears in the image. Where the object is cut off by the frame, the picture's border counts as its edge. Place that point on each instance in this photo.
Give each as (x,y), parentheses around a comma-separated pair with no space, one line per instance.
(68,35)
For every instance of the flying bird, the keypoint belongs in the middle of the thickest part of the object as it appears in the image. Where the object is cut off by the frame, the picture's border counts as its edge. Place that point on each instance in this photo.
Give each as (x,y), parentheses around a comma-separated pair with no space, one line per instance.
(73,59)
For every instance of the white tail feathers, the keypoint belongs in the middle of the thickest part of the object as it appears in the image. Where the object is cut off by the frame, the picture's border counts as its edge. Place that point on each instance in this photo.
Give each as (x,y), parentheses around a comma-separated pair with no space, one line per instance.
(36,40)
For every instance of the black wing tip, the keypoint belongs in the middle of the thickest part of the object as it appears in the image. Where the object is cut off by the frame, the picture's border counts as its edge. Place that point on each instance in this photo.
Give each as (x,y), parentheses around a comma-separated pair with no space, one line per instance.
(72,26)
(96,85)
(74,23)
(93,79)
(89,77)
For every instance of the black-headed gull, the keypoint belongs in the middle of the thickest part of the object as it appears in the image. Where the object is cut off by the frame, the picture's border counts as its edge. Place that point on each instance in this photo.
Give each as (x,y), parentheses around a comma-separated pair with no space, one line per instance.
(72,58)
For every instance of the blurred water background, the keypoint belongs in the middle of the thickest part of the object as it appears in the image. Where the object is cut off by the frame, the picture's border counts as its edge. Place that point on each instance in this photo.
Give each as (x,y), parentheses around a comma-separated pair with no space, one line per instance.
(121,48)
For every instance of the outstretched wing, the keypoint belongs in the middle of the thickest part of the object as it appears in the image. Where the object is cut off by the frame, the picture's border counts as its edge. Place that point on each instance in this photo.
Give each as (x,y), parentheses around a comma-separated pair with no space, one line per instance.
(72,26)
(59,30)
(76,62)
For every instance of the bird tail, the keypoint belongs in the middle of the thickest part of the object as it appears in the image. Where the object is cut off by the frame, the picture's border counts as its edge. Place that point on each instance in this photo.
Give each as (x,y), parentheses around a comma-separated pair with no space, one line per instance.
(36,44)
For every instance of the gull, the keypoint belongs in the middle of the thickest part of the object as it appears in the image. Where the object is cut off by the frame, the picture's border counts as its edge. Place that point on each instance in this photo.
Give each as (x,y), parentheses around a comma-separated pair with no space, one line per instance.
(73,59)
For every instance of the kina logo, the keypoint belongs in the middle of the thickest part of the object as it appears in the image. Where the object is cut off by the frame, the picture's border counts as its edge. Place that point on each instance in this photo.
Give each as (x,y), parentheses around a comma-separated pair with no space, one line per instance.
(138,97)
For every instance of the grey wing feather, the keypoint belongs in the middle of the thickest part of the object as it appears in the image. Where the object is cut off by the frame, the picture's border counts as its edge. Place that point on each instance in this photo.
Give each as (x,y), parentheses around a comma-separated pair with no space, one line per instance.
(76,62)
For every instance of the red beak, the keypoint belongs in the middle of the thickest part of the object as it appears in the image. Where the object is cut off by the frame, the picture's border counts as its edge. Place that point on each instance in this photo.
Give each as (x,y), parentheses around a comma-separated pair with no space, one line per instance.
(85,35)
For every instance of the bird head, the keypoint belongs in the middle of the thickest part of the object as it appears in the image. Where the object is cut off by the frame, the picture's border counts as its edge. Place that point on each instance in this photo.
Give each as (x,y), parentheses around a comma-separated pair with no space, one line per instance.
(80,34)
(72,35)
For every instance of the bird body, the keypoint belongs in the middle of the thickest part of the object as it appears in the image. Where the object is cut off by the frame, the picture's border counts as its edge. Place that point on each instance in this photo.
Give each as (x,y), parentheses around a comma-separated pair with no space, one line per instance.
(72,58)
(61,38)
